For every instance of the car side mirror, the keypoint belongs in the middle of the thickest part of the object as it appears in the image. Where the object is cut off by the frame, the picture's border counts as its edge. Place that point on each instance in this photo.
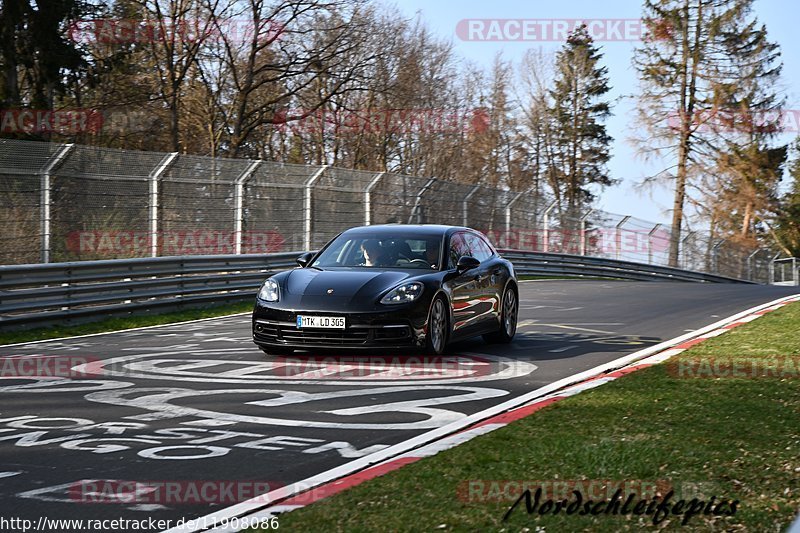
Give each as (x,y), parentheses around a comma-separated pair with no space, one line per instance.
(466,262)
(304,259)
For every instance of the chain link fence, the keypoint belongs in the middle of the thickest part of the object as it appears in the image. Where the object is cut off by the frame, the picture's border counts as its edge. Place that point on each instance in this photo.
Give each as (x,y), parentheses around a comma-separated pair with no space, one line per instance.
(72,203)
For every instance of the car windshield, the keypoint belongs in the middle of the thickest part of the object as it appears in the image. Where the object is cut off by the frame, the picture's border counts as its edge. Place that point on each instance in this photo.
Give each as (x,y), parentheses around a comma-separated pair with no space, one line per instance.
(382,250)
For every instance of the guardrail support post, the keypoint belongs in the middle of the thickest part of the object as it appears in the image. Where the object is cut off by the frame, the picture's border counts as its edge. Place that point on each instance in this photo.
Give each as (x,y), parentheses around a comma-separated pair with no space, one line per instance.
(583,231)
(45,207)
(464,205)
(419,199)
(368,198)
(155,175)
(307,219)
(238,204)
(546,243)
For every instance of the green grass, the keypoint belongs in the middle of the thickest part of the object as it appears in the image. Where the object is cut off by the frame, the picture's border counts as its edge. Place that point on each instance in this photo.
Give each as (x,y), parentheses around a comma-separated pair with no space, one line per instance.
(729,438)
(116,324)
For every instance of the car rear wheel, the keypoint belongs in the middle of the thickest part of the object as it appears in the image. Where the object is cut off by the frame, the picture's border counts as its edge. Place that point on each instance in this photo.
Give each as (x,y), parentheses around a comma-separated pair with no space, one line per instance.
(508,319)
(436,339)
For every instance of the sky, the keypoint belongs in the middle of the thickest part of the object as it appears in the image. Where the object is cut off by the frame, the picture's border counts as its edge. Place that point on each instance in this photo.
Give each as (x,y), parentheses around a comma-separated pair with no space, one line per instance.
(627,198)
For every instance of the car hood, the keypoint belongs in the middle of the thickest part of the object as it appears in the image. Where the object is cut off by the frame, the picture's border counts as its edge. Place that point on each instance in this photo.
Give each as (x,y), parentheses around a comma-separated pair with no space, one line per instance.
(362,286)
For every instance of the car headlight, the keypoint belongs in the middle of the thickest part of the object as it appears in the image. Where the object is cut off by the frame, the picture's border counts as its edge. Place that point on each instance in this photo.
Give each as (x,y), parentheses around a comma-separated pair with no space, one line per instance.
(269,291)
(403,294)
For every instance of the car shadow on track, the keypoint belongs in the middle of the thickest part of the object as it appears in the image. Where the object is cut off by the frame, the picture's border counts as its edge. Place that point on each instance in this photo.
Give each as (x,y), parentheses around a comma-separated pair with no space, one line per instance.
(538,346)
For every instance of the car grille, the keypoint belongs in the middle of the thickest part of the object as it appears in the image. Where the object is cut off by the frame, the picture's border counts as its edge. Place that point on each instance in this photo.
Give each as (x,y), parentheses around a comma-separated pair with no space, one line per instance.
(271,332)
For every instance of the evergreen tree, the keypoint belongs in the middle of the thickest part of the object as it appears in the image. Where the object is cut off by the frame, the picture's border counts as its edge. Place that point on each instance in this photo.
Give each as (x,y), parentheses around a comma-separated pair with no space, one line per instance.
(746,126)
(581,143)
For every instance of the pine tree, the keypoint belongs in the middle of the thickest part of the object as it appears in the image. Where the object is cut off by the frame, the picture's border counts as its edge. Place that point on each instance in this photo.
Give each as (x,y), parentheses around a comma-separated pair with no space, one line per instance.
(746,126)
(581,143)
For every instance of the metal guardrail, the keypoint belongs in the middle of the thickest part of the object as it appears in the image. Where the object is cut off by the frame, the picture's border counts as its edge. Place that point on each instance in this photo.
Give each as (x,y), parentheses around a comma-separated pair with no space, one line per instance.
(64,293)
(550,264)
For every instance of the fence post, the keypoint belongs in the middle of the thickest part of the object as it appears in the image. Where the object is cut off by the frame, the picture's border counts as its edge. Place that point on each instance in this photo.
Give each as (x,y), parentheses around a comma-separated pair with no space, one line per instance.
(546,244)
(368,198)
(682,250)
(464,208)
(155,175)
(45,207)
(509,205)
(238,204)
(650,243)
(419,199)
(618,235)
(715,255)
(750,264)
(309,184)
(772,269)
(583,231)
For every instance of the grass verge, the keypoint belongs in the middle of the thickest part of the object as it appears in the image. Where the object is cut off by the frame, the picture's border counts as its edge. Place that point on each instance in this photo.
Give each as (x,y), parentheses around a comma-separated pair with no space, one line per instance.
(115,324)
(732,438)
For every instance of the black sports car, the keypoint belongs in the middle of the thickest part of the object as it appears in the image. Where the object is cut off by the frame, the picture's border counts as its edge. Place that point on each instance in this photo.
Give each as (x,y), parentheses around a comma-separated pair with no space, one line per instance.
(390,286)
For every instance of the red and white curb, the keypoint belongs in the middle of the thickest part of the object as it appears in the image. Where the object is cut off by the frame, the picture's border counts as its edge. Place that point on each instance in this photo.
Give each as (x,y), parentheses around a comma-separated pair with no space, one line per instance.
(375,465)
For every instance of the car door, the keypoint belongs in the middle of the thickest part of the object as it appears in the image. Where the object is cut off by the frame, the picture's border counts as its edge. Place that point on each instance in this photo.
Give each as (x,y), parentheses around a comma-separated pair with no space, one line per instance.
(493,272)
(487,276)
(466,294)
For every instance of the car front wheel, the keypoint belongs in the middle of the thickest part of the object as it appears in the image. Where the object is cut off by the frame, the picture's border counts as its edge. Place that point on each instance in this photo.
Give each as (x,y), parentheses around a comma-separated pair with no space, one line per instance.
(436,339)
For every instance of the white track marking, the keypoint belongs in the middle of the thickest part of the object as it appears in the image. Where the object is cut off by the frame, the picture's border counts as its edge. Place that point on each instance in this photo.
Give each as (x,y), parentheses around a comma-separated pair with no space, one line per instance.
(252,506)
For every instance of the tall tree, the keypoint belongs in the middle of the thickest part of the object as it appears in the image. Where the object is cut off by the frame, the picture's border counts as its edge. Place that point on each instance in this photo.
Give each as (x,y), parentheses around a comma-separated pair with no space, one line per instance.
(787,227)
(747,125)
(689,67)
(36,57)
(581,143)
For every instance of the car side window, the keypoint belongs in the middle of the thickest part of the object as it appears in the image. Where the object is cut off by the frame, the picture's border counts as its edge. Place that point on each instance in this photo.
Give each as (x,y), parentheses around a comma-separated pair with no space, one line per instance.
(458,247)
(479,248)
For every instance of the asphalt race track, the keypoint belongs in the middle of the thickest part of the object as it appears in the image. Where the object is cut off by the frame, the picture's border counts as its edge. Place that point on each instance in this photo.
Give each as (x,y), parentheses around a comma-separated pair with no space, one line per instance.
(199,402)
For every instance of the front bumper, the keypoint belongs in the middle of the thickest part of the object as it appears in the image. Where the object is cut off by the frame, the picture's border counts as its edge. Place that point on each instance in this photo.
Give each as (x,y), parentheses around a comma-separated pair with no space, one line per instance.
(396,328)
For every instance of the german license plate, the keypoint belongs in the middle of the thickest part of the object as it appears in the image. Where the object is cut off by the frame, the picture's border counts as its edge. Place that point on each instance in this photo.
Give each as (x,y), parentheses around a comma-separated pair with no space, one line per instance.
(328,322)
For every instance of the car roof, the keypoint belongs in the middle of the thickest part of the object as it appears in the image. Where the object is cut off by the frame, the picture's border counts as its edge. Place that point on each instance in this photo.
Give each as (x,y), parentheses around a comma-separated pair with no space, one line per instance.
(434,230)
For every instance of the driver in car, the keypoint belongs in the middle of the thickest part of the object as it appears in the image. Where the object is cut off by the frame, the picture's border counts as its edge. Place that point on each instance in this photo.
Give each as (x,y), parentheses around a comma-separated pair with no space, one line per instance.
(374,254)
(432,253)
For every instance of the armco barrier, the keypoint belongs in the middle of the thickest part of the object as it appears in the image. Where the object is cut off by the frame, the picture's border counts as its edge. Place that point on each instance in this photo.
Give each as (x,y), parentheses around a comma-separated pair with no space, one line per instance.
(63,293)
(550,264)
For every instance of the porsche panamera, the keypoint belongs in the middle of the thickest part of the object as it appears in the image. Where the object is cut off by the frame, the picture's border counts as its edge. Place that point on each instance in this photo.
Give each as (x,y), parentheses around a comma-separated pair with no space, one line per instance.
(390,286)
